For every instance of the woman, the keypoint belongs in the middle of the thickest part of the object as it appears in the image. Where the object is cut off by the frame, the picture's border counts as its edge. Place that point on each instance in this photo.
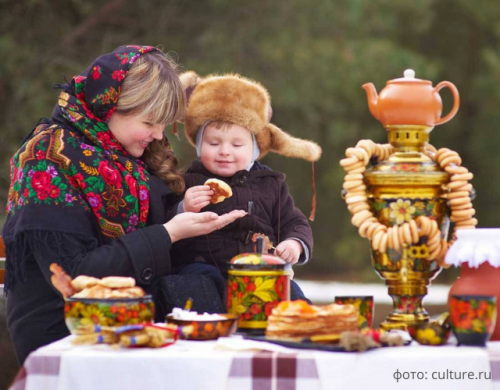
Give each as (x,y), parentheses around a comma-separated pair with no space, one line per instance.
(90,188)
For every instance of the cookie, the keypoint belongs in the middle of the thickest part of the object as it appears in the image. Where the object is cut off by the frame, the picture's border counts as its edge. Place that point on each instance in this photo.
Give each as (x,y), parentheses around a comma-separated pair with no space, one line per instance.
(117,282)
(83,281)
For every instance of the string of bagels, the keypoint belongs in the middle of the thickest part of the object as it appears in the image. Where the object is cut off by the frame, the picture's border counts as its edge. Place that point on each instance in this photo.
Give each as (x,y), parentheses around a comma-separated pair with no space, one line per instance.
(457,192)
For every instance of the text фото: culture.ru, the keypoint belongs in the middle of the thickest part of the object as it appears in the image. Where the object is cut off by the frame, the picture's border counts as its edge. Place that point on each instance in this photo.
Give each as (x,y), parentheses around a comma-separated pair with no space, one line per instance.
(441,375)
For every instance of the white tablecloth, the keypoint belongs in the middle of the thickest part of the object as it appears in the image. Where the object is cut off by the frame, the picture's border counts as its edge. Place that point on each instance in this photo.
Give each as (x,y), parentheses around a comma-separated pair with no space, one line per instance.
(230,364)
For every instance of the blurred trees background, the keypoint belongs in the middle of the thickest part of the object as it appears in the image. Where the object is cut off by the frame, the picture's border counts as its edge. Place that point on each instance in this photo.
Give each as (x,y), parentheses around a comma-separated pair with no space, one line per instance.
(312,56)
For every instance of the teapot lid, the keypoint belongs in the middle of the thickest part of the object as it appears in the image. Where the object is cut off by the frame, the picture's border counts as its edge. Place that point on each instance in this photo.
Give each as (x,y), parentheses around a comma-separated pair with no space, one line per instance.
(409,78)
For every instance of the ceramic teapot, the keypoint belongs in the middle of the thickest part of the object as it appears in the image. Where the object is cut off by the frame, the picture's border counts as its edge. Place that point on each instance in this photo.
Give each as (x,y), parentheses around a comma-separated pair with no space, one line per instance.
(410,101)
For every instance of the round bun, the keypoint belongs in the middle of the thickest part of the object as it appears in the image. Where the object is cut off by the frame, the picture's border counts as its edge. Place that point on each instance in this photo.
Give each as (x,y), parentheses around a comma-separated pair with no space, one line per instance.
(221,190)
(117,282)
(81,282)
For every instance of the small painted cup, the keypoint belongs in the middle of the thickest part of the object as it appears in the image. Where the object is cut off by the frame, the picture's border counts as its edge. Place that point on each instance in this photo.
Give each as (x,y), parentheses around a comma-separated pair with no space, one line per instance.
(363,303)
(473,318)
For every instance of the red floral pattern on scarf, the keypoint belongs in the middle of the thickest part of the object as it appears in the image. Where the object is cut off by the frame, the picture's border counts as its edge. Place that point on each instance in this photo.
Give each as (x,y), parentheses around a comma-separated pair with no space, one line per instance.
(81,164)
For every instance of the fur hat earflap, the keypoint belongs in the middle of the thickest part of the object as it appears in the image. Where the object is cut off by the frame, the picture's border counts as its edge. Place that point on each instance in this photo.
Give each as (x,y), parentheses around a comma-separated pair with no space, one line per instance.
(276,140)
(236,99)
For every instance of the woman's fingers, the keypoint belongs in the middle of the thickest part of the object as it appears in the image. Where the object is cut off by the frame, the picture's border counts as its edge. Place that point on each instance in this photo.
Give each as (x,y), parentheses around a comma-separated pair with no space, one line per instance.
(207,216)
(190,224)
(226,219)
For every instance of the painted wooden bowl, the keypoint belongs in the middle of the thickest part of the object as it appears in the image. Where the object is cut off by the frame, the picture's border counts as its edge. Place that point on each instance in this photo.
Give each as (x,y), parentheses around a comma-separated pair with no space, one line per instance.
(207,329)
(87,315)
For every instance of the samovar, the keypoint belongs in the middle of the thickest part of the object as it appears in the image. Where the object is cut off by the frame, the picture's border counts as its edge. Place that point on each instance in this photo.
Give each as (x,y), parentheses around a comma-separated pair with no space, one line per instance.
(404,182)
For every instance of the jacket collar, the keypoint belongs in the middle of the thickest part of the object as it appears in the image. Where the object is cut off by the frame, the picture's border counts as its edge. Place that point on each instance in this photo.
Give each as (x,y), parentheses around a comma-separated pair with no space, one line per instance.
(258,170)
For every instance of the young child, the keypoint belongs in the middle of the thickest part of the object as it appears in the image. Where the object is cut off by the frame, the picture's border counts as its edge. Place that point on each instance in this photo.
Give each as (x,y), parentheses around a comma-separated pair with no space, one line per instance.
(228,120)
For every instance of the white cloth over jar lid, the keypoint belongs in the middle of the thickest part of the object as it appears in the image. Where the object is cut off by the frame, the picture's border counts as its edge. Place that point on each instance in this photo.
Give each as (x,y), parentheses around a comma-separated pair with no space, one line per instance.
(475,246)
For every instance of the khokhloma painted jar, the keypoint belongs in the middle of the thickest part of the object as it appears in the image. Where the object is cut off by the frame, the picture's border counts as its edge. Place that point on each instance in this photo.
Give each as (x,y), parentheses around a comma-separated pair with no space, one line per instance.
(477,253)
(257,283)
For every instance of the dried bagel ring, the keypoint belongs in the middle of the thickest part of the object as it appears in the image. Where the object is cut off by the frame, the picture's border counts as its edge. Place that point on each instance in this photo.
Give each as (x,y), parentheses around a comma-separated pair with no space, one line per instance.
(383,244)
(352,184)
(451,160)
(373,227)
(357,170)
(345,162)
(352,177)
(455,169)
(425,226)
(377,239)
(414,231)
(356,166)
(357,207)
(390,243)
(440,152)
(363,227)
(462,176)
(459,201)
(395,238)
(457,194)
(464,206)
(358,218)
(457,184)
(356,199)
(406,233)
(367,145)
(434,228)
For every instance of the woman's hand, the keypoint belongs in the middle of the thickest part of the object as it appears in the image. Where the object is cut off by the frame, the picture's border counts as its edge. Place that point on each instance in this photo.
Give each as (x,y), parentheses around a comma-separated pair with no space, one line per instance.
(289,250)
(187,225)
(196,198)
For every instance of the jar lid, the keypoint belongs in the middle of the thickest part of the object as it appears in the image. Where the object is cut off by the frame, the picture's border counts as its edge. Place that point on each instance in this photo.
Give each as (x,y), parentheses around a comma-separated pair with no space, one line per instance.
(257,259)
(475,246)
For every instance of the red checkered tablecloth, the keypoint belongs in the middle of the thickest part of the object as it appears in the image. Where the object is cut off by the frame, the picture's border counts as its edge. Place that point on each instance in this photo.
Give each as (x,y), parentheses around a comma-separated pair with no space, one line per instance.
(235,364)
(274,370)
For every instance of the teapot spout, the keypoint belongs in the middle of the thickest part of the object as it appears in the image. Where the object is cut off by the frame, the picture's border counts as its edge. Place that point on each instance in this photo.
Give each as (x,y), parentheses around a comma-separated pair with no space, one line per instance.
(372,96)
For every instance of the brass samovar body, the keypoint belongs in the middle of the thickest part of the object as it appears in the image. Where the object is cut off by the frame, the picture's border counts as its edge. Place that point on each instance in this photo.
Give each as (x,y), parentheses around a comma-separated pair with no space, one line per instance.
(407,185)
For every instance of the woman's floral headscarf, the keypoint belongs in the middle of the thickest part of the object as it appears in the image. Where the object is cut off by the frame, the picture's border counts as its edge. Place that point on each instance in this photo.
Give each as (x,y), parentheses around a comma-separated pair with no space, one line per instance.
(74,164)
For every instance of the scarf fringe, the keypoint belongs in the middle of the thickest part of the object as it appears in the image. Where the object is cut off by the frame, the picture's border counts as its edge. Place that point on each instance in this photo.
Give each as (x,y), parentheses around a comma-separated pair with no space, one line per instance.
(20,250)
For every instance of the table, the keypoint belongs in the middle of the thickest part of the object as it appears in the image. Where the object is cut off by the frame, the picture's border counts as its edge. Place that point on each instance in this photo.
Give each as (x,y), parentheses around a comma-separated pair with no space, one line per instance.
(234,363)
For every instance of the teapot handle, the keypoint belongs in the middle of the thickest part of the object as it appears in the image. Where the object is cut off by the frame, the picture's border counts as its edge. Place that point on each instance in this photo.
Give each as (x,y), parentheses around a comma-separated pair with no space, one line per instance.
(456,101)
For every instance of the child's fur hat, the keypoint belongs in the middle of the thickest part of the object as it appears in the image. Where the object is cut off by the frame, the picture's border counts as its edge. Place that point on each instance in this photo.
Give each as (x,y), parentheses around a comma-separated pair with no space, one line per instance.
(239,100)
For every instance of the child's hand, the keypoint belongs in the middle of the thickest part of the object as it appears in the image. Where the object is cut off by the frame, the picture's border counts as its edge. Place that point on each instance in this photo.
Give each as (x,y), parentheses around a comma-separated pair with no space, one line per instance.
(196,198)
(289,250)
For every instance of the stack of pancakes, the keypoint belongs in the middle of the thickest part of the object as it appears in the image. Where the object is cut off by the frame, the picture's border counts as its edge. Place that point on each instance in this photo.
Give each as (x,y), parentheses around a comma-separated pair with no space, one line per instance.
(298,320)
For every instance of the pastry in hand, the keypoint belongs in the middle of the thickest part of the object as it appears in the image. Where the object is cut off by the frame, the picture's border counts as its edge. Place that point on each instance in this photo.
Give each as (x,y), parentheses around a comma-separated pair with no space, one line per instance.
(221,190)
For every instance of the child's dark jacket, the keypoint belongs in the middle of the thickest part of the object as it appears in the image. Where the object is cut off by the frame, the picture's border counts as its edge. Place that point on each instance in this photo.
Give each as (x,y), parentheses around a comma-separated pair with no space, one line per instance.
(273,214)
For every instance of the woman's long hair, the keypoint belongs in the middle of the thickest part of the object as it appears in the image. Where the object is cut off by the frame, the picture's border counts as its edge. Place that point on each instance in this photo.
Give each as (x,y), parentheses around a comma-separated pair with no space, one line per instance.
(152,89)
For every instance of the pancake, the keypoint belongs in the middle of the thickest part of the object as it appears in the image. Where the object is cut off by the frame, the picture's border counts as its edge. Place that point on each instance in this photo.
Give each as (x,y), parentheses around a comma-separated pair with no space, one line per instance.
(221,190)
(297,319)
